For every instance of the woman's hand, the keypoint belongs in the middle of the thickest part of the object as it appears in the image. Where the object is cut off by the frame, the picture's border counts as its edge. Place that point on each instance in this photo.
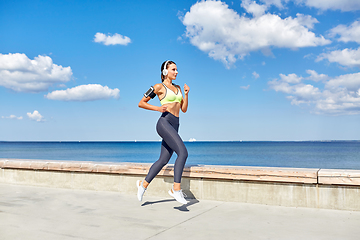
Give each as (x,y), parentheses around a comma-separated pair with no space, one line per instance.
(184,102)
(162,108)
(186,89)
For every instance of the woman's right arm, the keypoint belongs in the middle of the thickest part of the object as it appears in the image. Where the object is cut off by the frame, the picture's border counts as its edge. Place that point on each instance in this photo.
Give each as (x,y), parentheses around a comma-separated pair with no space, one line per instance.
(144,103)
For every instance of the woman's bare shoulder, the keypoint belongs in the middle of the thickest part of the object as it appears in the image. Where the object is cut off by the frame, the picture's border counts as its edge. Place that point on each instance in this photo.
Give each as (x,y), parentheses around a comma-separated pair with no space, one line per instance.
(158,87)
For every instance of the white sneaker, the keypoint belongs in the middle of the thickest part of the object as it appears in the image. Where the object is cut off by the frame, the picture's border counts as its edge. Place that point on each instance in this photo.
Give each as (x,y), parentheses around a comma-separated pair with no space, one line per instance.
(178,195)
(141,190)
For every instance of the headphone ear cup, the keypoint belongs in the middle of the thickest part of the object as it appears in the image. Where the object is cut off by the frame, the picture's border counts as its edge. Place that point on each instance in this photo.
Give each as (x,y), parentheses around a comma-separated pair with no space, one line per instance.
(165,72)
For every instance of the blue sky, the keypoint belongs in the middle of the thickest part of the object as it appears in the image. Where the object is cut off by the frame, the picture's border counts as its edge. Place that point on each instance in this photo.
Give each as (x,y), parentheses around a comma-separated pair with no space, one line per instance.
(275,70)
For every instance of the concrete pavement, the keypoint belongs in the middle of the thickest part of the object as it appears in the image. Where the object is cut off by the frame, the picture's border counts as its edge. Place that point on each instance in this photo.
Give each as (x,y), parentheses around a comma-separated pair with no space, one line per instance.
(28,212)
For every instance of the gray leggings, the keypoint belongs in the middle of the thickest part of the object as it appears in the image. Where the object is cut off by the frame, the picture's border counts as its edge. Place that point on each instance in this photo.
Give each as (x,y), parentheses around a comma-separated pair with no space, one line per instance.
(167,127)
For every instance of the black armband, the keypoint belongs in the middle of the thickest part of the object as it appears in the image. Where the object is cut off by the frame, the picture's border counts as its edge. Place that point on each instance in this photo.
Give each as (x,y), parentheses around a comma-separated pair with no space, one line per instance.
(150,92)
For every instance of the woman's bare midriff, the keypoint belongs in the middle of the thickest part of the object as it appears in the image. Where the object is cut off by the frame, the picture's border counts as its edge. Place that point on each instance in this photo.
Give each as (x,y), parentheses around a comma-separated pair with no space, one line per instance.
(173,108)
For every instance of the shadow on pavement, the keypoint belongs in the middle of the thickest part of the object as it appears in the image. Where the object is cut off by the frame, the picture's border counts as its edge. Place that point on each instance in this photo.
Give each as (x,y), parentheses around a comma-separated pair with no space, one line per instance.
(183,208)
(160,201)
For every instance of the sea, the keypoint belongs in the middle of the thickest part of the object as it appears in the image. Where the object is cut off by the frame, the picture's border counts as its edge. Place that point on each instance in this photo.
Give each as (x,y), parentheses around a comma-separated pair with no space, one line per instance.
(307,154)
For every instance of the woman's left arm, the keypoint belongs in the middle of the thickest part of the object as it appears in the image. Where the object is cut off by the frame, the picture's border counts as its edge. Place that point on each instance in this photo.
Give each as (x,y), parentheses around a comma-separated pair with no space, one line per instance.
(184,102)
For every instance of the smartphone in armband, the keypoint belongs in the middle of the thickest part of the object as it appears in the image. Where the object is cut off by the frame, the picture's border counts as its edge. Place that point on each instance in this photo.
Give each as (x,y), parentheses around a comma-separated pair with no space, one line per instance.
(150,92)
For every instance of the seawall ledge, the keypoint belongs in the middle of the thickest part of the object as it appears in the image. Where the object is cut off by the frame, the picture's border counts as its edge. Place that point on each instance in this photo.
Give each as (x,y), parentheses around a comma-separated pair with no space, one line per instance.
(266,174)
(339,177)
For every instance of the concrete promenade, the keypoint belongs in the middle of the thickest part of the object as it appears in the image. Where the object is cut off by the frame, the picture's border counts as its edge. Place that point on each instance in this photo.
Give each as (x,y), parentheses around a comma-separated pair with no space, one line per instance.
(30,212)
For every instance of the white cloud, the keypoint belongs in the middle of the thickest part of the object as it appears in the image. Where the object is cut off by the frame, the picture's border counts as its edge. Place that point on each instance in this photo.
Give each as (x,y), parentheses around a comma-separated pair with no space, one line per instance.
(277,3)
(90,92)
(21,74)
(291,78)
(343,5)
(339,102)
(245,87)
(346,57)
(224,35)
(347,33)
(314,76)
(351,82)
(255,75)
(252,7)
(111,40)
(340,95)
(35,116)
(13,117)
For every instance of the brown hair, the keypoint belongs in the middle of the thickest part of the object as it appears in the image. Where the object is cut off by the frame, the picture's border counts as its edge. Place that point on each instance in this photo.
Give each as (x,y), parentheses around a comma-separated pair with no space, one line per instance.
(165,67)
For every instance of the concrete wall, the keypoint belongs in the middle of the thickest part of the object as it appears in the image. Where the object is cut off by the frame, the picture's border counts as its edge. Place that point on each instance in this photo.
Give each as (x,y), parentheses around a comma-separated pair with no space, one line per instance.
(293,187)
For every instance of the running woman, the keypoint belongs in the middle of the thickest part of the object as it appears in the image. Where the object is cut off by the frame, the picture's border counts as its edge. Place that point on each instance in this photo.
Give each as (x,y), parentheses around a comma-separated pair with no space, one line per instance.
(172,100)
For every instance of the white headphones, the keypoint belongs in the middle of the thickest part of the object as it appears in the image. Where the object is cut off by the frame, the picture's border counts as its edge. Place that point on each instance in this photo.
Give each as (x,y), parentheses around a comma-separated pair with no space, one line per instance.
(165,71)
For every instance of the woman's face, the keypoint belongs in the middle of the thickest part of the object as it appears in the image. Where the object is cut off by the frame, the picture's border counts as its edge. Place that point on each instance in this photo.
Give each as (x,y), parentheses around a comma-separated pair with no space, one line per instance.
(172,71)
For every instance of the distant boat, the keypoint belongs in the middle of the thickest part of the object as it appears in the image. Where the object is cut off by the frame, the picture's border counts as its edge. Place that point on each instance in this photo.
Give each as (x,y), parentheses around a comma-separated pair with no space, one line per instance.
(192,140)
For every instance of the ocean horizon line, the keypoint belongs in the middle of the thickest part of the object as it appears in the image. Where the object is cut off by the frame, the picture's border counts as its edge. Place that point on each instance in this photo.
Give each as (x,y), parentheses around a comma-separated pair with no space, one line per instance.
(155,141)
